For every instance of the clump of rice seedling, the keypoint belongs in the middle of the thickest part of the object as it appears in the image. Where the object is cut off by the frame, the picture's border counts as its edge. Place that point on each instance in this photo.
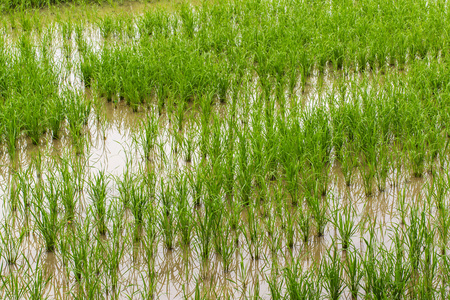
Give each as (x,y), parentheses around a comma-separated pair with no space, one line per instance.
(67,186)
(78,108)
(185,219)
(319,209)
(343,220)
(253,233)
(11,242)
(46,214)
(139,199)
(300,284)
(148,133)
(354,271)
(98,193)
(331,268)
(304,224)
(38,281)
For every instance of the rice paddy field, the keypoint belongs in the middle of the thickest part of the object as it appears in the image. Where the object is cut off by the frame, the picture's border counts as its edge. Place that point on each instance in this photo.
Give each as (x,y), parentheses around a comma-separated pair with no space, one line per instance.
(241,149)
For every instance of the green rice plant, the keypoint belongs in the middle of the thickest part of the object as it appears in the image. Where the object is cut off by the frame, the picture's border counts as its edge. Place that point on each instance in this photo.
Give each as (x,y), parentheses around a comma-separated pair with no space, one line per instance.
(382,167)
(56,106)
(34,124)
(204,233)
(300,284)
(149,289)
(416,150)
(63,247)
(348,162)
(98,194)
(235,209)
(14,194)
(331,269)
(78,108)
(185,219)
(46,215)
(354,271)
(151,234)
(11,120)
(274,288)
(179,116)
(167,224)
(253,233)
(304,224)
(88,64)
(401,266)
(367,172)
(148,133)
(106,26)
(38,281)
(244,177)
(415,235)
(13,286)
(292,177)
(67,186)
(11,242)
(443,225)
(138,205)
(114,248)
(343,221)
(319,208)
(196,183)
(92,283)
(189,145)
(124,185)
(79,242)
(227,247)
(384,273)
(274,233)
(24,179)
(289,218)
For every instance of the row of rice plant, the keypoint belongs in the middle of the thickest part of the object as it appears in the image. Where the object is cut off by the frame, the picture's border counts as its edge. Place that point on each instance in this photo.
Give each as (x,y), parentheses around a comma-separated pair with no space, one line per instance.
(102,231)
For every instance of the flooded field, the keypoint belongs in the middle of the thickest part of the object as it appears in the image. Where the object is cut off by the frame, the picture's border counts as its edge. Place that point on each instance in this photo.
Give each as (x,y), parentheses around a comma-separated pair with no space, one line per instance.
(204,153)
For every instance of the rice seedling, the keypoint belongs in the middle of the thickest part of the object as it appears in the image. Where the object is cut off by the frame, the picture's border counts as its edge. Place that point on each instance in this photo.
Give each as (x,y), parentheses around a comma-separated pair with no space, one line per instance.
(227,247)
(124,184)
(98,193)
(319,210)
(185,220)
(46,214)
(342,219)
(79,250)
(67,187)
(300,284)
(13,286)
(204,233)
(11,242)
(78,109)
(167,224)
(115,249)
(289,218)
(415,236)
(332,273)
(38,281)
(354,271)
(148,133)
(253,233)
